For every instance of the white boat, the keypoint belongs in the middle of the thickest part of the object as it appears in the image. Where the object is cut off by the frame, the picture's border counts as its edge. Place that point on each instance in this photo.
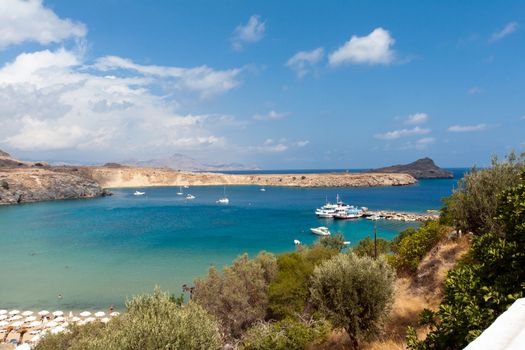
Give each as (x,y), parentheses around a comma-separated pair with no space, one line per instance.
(325,213)
(190,196)
(263,189)
(138,193)
(186,186)
(180,193)
(296,242)
(320,231)
(224,199)
(373,217)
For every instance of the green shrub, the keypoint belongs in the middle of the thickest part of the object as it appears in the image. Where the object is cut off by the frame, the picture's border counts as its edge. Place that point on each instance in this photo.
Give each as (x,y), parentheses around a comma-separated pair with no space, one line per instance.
(238,297)
(336,242)
(152,322)
(365,247)
(285,335)
(411,245)
(485,282)
(289,293)
(355,293)
(473,205)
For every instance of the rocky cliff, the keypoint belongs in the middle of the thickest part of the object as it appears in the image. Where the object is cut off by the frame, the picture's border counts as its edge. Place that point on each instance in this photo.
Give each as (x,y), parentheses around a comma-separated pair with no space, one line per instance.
(423,168)
(142,177)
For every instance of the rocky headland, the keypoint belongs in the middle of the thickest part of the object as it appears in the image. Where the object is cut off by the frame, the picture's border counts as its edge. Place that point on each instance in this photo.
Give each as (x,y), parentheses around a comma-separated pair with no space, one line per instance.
(423,168)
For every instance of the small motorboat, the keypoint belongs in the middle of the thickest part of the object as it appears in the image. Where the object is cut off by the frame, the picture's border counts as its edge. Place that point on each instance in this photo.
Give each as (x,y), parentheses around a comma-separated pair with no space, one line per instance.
(223,200)
(320,231)
(296,242)
(186,186)
(180,193)
(190,196)
(138,193)
(263,189)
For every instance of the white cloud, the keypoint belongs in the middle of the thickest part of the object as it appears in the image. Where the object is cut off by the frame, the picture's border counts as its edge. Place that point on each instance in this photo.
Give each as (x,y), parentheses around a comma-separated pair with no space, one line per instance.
(375,48)
(277,146)
(251,32)
(55,100)
(272,115)
(506,31)
(419,144)
(475,90)
(396,134)
(202,79)
(28,20)
(417,118)
(302,143)
(467,128)
(303,61)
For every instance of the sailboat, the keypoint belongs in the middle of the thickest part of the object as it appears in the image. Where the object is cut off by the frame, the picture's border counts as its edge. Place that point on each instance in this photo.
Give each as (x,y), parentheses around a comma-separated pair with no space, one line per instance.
(224,199)
(180,191)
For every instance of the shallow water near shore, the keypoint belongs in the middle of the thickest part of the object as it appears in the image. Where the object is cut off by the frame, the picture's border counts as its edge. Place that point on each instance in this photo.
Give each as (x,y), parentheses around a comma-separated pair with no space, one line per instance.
(97,252)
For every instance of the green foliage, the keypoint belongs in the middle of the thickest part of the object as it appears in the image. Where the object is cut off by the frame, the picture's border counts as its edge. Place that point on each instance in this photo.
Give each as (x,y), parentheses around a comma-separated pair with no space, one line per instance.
(354,293)
(336,242)
(239,297)
(485,283)
(285,335)
(473,205)
(411,245)
(289,293)
(366,247)
(152,322)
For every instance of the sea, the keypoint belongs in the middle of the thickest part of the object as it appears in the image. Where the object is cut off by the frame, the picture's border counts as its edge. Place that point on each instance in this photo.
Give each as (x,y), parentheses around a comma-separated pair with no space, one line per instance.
(95,253)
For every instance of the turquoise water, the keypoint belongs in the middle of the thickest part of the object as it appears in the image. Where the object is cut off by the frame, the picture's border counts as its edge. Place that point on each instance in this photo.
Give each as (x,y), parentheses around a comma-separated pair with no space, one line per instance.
(97,252)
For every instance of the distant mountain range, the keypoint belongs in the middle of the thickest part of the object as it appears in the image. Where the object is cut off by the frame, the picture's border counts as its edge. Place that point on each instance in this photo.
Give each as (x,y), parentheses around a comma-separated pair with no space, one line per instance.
(182,162)
(423,168)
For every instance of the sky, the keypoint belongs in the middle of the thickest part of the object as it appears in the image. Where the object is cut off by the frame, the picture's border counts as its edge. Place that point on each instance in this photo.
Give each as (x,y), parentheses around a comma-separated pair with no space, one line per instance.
(274,84)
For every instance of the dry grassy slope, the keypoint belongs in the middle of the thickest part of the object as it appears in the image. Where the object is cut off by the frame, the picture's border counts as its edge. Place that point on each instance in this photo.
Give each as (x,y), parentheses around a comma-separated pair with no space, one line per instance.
(412,295)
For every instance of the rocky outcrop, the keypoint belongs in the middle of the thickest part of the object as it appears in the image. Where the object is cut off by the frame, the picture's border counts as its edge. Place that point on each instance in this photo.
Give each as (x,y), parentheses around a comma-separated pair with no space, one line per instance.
(423,168)
(141,177)
(32,185)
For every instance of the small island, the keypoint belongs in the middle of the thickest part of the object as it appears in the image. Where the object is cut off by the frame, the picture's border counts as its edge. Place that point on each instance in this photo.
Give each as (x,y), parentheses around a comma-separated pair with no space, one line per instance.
(423,168)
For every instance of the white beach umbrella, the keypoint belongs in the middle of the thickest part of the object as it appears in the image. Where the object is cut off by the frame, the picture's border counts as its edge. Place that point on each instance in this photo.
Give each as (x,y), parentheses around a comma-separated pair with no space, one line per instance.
(114,313)
(104,320)
(57,330)
(75,319)
(16,318)
(43,313)
(81,323)
(34,324)
(51,324)
(3,317)
(85,313)
(14,312)
(70,314)
(58,313)
(59,319)
(90,319)
(17,324)
(30,319)
(3,323)
(27,313)
(100,314)
(3,312)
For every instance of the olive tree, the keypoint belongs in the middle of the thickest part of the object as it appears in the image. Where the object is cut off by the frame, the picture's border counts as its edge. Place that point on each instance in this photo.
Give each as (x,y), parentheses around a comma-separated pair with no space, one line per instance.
(355,293)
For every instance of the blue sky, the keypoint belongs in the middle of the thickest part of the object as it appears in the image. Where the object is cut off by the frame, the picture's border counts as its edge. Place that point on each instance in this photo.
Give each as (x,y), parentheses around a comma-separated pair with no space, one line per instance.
(298,84)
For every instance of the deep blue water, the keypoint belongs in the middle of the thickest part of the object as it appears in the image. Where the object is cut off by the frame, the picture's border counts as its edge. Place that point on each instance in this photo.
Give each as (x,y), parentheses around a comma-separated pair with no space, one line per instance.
(97,252)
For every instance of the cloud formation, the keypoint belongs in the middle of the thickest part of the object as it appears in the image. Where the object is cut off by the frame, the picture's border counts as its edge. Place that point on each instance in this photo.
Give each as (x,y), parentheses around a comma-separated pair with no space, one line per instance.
(303,61)
(506,31)
(251,32)
(467,128)
(396,134)
(29,21)
(55,100)
(272,115)
(374,48)
(417,118)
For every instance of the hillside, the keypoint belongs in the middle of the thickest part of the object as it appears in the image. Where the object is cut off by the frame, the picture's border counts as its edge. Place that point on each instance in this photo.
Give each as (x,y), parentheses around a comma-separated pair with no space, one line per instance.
(423,168)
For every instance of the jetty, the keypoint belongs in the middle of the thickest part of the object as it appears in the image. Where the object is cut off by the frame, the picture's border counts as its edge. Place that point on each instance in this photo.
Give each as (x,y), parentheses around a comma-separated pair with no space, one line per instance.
(402,216)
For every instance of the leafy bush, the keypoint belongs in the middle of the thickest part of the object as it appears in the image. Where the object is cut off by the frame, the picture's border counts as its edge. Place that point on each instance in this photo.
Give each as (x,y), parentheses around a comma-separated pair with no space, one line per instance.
(411,245)
(365,247)
(239,297)
(285,335)
(336,242)
(473,205)
(289,293)
(151,322)
(355,293)
(484,284)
